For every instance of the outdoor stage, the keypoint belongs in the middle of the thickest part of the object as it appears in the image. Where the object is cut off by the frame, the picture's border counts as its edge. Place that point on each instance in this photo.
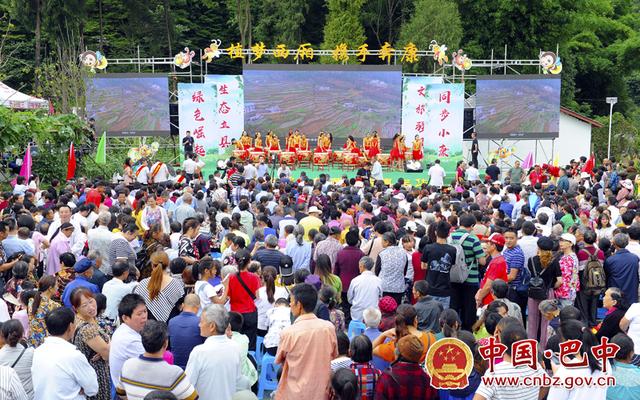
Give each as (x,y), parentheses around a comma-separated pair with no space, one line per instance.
(335,172)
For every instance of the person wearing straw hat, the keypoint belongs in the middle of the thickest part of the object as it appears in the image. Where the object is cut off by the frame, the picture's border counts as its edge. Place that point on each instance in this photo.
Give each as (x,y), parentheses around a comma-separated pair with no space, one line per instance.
(311,221)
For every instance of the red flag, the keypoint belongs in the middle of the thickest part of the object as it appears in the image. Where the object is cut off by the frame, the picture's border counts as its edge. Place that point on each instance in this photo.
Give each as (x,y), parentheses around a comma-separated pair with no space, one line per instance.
(71,165)
(590,164)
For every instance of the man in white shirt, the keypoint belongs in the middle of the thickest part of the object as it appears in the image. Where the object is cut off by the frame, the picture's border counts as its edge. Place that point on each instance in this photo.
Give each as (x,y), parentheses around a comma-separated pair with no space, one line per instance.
(126,342)
(115,289)
(159,172)
(634,244)
(472,173)
(142,173)
(376,170)
(214,367)
(284,169)
(528,243)
(59,369)
(100,238)
(365,290)
(436,175)
(250,171)
(10,385)
(189,165)
(77,237)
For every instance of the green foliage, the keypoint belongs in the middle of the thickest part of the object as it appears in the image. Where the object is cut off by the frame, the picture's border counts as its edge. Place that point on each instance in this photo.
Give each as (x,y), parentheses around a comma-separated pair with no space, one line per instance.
(625,137)
(343,25)
(51,136)
(432,20)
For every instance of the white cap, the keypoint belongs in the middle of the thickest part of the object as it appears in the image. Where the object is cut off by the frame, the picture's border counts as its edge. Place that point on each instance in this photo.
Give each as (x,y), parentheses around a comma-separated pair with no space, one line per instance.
(569,238)
(314,209)
(627,184)
(411,226)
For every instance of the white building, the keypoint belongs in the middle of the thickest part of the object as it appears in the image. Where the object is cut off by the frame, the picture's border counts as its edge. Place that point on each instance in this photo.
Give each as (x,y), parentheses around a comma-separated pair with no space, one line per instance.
(573,141)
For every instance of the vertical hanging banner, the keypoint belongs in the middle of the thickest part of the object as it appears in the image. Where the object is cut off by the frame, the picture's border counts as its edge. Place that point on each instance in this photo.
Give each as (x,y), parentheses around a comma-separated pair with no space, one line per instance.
(444,125)
(414,105)
(197,113)
(229,110)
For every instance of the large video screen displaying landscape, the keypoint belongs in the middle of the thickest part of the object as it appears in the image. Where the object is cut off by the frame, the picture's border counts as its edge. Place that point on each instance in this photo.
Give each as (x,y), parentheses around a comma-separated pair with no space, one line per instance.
(344,100)
(129,104)
(523,106)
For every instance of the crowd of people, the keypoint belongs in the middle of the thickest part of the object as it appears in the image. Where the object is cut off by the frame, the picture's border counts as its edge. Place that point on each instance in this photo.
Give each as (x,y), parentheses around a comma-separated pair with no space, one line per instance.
(189,289)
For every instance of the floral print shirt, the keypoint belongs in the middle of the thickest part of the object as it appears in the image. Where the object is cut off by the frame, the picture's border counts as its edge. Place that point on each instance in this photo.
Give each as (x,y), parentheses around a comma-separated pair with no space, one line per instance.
(570,280)
(37,327)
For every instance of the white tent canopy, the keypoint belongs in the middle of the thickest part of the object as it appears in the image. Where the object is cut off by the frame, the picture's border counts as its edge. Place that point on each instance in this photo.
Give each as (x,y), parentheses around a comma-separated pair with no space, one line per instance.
(13,99)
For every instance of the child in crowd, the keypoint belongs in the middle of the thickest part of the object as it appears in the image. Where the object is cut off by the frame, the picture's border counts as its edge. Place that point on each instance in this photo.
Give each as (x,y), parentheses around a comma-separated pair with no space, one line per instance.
(343,360)
(279,318)
(249,372)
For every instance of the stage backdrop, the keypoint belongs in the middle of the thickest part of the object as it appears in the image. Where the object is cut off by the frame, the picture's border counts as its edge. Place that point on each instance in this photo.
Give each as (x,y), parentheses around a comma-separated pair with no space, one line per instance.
(197,114)
(229,110)
(444,125)
(129,104)
(414,105)
(341,99)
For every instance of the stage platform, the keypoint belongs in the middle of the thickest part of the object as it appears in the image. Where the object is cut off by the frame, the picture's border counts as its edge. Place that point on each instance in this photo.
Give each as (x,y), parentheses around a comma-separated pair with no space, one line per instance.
(335,172)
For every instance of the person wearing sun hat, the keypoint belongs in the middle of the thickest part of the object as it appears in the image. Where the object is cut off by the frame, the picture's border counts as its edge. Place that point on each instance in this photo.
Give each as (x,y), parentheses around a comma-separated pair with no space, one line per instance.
(311,221)
(497,269)
(406,379)
(566,293)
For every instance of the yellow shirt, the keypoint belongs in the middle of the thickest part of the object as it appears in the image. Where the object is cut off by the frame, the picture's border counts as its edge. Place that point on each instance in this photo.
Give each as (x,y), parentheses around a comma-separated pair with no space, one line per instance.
(308,223)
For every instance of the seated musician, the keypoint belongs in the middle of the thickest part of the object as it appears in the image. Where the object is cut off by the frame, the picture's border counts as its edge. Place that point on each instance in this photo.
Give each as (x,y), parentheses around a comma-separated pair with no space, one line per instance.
(303,146)
(296,140)
(417,152)
(275,143)
(351,146)
(289,141)
(257,143)
(320,148)
(374,145)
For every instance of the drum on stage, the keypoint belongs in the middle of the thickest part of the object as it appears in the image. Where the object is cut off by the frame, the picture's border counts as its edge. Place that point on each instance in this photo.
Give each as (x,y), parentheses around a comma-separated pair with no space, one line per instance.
(320,159)
(288,156)
(351,159)
(255,156)
(304,155)
(385,159)
(338,156)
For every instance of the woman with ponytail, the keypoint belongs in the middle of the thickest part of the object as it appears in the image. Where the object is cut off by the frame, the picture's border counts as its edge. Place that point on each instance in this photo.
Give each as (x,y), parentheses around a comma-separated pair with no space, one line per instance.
(299,250)
(449,324)
(162,293)
(202,272)
(344,385)
(16,354)
(242,292)
(267,296)
(406,324)
(576,330)
(39,306)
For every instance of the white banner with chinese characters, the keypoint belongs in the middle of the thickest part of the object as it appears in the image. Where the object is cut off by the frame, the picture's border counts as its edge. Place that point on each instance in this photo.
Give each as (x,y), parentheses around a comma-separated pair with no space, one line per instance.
(197,113)
(444,125)
(414,105)
(229,110)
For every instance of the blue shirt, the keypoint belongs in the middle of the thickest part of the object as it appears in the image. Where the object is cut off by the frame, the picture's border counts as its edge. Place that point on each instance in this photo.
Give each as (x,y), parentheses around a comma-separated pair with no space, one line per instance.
(627,382)
(13,244)
(372,334)
(622,272)
(80,281)
(262,170)
(269,231)
(184,335)
(515,259)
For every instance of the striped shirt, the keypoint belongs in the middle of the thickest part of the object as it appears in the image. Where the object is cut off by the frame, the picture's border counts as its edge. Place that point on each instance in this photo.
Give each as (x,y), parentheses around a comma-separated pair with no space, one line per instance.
(10,385)
(120,248)
(143,375)
(164,302)
(472,253)
(515,259)
(506,369)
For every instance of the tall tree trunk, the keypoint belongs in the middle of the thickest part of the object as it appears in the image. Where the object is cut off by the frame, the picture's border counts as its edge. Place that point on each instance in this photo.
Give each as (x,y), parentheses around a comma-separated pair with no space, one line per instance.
(167,21)
(38,44)
(101,31)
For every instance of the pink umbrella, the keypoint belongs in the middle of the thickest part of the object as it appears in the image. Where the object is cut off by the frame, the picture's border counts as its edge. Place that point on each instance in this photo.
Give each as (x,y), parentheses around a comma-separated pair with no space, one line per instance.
(25,170)
(528,161)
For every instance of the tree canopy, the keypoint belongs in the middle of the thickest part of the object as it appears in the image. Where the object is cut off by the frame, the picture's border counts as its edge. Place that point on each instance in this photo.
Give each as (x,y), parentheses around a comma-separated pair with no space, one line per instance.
(598,41)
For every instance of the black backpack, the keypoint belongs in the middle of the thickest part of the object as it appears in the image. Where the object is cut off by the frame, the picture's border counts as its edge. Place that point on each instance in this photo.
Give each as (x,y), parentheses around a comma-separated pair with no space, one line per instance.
(538,290)
(594,280)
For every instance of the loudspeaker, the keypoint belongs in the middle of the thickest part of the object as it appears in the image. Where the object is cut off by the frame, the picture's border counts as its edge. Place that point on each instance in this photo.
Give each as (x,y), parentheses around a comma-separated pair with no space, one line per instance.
(468,123)
(413,166)
(174,121)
